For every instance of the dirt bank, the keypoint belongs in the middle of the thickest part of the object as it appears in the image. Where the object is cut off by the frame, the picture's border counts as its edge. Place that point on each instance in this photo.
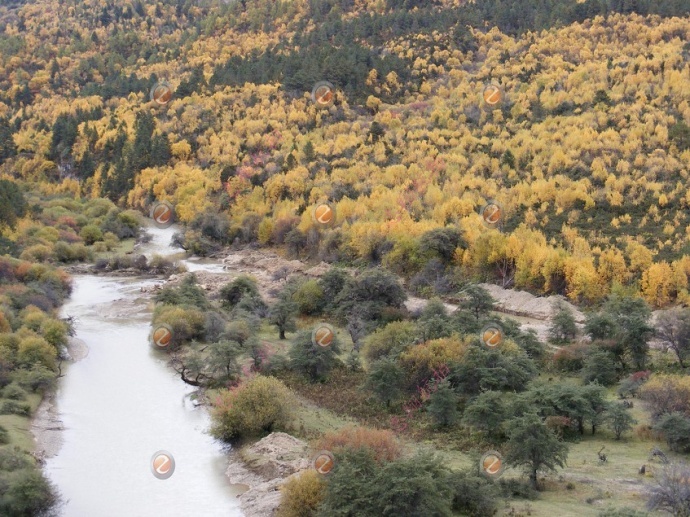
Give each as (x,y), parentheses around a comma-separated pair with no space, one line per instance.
(263,467)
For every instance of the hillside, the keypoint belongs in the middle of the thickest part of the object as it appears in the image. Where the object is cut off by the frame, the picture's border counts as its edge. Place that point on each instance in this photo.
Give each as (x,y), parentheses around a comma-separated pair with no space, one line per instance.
(588,153)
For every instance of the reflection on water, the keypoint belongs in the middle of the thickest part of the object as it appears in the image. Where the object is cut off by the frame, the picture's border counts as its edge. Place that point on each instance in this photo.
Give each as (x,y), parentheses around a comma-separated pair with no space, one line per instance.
(121,404)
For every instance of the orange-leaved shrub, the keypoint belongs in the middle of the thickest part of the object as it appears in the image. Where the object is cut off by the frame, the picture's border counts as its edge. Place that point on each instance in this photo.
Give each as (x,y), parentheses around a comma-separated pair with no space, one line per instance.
(382,443)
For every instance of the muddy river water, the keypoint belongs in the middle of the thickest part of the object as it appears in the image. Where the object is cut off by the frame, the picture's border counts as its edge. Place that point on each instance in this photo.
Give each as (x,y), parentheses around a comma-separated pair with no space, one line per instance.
(121,403)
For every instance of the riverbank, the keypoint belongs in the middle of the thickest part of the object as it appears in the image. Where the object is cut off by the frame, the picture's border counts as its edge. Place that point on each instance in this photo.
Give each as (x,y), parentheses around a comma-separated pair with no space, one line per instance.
(46,425)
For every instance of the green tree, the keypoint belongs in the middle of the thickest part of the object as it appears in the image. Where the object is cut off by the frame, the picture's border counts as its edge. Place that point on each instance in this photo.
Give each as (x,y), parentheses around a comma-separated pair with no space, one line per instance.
(7,146)
(385,380)
(534,447)
(12,203)
(442,243)
(619,419)
(369,295)
(563,328)
(600,367)
(310,359)
(282,314)
(477,300)
(488,413)
(232,292)
(443,405)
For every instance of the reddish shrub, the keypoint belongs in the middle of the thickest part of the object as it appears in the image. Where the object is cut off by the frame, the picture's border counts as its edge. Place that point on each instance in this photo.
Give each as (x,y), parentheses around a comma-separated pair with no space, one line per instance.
(382,443)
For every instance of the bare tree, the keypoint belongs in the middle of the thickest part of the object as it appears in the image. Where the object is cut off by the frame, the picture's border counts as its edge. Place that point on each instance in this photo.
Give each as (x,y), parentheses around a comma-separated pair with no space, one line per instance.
(673,327)
(672,492)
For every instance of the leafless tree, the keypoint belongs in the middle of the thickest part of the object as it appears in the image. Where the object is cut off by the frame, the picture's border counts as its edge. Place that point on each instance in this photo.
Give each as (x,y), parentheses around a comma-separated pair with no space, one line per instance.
(672,492)
(673,327)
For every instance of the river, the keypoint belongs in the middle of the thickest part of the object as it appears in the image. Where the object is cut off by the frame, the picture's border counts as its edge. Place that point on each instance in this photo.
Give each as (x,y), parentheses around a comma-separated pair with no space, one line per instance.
(122,403)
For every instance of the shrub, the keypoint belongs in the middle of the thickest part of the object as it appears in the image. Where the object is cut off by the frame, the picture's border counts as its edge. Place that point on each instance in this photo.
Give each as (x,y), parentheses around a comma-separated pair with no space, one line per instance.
(382,444)
(301,495)
(26,492)
(411,486)
(667,394)
(420,361)
(38,378)
(33,350)
(13,407)
(91,233)
(4,436)
(232,293)
(473,495)
(186,323)
(37,253)
(621,512)
(313,360)
(512,488)
(676,429)
(14,392)
(263,404)
(571,358)
(389,341)
(309,298)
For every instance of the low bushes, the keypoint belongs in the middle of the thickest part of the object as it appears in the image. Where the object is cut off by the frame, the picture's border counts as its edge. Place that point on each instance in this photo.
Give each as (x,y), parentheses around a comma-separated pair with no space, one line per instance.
(263,404)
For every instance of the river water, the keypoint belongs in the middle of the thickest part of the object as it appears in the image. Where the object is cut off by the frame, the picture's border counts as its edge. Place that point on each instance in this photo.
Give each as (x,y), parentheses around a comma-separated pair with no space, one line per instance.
(122,403)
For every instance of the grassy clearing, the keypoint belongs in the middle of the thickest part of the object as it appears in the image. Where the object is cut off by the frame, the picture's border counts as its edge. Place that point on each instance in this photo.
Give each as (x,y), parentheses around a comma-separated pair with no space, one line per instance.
(123,247)
(19,426)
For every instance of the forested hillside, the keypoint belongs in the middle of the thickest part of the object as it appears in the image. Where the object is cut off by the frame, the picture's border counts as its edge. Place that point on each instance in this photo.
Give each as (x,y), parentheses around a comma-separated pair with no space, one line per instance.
(588,153)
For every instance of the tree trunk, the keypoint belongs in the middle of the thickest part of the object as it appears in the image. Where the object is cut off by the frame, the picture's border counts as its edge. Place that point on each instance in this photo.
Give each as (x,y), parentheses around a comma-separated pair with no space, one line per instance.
(282,333)
(533,479)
